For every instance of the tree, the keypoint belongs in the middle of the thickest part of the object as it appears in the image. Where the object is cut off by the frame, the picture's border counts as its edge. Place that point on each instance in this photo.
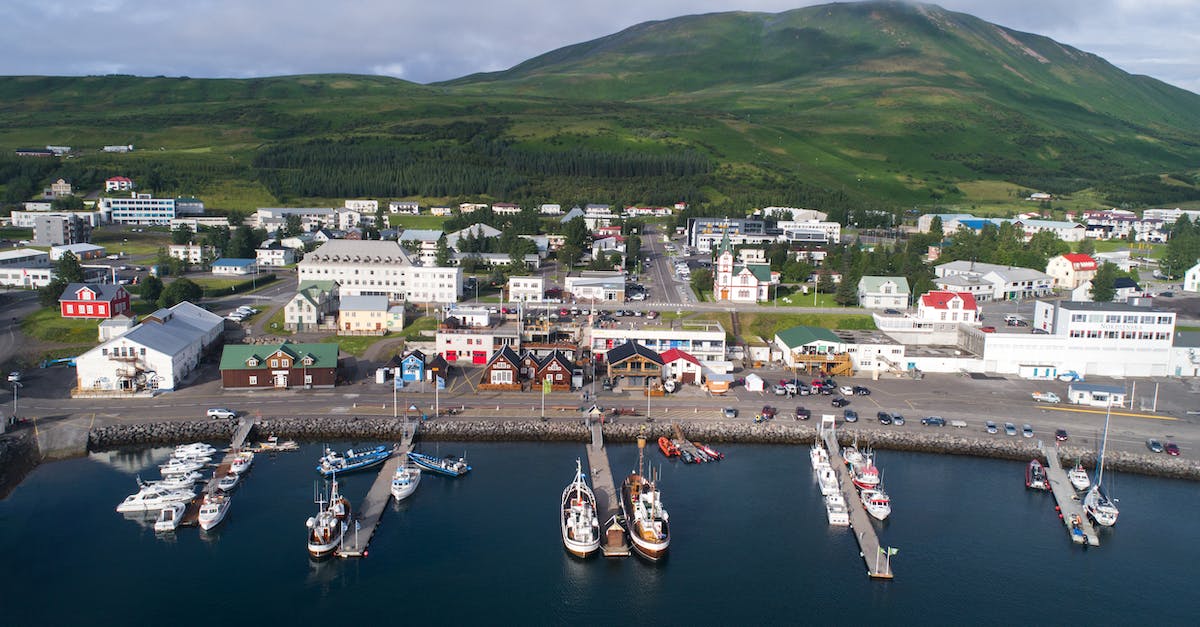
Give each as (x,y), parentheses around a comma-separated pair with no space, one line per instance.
(936,229)
(1102,284)
(68,269)
(702,281)
(441,256)
(67,203)
(151,289)
(182,234)
(217,238)
(178,291)
(846,293)
(48,296)
(292,225)
(568,256)
(576,232)
(1087,246)
(825,283)
(241,244)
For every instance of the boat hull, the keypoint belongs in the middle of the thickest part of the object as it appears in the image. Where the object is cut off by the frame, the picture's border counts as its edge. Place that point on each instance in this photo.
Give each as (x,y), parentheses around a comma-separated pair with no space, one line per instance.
(649,549)
(319,549)
(401,491)
(431,464)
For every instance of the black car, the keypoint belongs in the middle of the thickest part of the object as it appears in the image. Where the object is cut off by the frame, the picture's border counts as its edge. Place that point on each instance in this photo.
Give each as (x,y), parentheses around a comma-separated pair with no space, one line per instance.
(803,413)
(862,390)
(850,415)
(838,401)
(884,418)
(1061,435)
(933,421)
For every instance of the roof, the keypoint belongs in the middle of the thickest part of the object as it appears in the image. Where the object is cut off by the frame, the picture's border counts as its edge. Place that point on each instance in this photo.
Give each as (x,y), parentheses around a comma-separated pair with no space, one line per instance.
(561,358)
(1124,282)
(420,235)
(575,212)
(358,252)
(1075,305)
(170,331)
(104,291)
(675,354)
(234,262)
(120,179)
(478,229)
(506,353)
(235,356)
(21,252)
(1096,387)
(1014,274)
(628,350)
(414,354)
(1187,339)
(81,247)
(941,299)
(363,303)
(324,286)
(761,271)
(874,284)
(1079,258)
(961,280)
(802,335)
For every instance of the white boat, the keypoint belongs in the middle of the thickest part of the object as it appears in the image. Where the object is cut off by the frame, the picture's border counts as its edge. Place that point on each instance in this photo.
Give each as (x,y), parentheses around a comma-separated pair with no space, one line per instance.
(580,525)
(241,463)
(865,476)
(152,498)
(169,517)
(228,482)
(1098,505)
(274,444)
(176,482)
(877,503)
(328,527)
(828,480)
(405,481)
(835,510)
(817,456)
(179,467)
(852,456)
(195,448)
(213,510)
(1079,477)
(192,457)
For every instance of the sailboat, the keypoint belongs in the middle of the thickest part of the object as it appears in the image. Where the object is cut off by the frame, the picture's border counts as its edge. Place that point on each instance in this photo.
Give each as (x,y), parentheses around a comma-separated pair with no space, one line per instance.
(645,518)
(1099,506)
(580,526)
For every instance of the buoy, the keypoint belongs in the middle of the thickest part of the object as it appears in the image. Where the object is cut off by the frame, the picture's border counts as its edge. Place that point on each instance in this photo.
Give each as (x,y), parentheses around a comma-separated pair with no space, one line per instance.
(364,553)
(1057,508)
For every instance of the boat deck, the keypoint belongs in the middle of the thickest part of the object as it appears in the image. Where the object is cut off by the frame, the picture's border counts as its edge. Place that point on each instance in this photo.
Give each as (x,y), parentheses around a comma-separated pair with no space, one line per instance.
(370,511)
(682,443)
(191,515)
(879,566)
(1069,504)
(615,544)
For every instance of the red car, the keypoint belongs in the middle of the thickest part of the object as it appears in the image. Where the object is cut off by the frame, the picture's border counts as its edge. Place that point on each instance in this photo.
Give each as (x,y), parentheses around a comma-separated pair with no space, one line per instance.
(1172,449)
(1061,435)
(768,412)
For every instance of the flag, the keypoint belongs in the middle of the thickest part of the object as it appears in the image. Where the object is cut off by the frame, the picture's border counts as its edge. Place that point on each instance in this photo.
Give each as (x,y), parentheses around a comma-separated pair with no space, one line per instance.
(546,385)
(441,383)
(399,383)
(357,526)
(892,551)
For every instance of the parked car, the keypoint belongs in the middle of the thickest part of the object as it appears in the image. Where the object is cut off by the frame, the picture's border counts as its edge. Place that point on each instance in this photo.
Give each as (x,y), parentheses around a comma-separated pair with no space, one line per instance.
(846,390)
(884,418)
(1060,435)
(988,329)
(839,401)
(1172,449)
(1027,431)
(850,415)
(990,427)
(730,412)
(1154,445)
(779,390)
(607,384)
(898,420)
(861,390)
(933,421)
(768,412)
(802,413)
(222,413)
(1010,428)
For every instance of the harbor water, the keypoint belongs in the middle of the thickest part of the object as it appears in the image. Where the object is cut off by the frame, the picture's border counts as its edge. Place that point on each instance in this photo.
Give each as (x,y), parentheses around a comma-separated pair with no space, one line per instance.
(750,545)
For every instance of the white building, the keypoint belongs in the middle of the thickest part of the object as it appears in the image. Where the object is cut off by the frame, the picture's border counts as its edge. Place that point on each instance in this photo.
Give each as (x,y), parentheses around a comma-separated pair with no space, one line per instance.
(191,254)
(1071,270)
(156,354)
(28,219)
(1191,279)
(371,267)
(275,256)
(145,209)
(27,277)
(234,266)
(1111,224)
(936,321)
(741,283)
(475,344)
(24,258)
(471,207)
(792,213)
(311,218)
(1171,216)
(703,340)
(362,206)
(550,209)
(883,292)
(802,230)
(1003,282)
(477,231)
(404,206)
(597,287)
(313,301)
(82,252)
(196,223)
(424,240)
(526,289)
(505,209)
(119,184)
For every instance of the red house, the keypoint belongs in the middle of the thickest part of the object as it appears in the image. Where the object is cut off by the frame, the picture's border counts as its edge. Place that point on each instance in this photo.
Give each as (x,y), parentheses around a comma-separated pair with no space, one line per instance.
(94,301)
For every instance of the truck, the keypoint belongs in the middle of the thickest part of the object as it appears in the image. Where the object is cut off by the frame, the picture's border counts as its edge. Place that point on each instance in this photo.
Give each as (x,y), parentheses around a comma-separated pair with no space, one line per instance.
(1046,397)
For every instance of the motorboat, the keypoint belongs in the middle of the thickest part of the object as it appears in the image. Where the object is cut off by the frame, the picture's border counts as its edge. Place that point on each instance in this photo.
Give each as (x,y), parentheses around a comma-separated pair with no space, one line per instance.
(241,462)
(179,467)
(213,510)
(851,455)
(828,480)
(228,482)
(865,476)
(333,462)
(153,498)
(169,517)
(877,503)
(646,519)
(194,449)
(274,444)
(175,482)
(450,466)
(580,525)
(668,447)
(688,458)
(192,457)
(710,451)
(1096,502)
(818,456)
(405,481)
(1035,476)
(1078,477)
(326,530)
(836,511)
(701,456)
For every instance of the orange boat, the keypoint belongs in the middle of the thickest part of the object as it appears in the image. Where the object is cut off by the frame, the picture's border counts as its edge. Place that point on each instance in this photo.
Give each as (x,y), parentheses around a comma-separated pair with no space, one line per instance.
(668,447)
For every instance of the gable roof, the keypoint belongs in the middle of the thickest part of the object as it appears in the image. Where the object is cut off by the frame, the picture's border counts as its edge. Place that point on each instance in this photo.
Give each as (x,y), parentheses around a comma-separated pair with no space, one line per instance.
(629,349)
(761,271)
(558,356)
(1075,258)
(1124,282)
(802,335)
(939,299)
(235,356)
(363,303)
(414,354)
(420,235)
(873,284)
(675,354)
(506,353)
(104,291)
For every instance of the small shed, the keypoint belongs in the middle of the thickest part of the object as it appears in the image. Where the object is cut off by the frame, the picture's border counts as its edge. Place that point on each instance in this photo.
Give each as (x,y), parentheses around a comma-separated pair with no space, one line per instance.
(754,383)
(1096,395)
(717,383)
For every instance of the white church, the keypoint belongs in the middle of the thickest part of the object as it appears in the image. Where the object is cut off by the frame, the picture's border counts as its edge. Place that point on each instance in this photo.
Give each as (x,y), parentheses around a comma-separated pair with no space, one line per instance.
(740,282)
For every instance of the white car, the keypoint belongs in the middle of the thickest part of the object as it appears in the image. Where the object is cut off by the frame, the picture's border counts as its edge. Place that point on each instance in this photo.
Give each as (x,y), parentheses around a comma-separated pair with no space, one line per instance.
(220,412)
(847,390)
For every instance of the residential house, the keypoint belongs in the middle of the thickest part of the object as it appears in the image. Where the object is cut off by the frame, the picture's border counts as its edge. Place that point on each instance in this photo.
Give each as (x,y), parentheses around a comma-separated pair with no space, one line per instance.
(558,370)
(279,366)
(597,287)
(550,209)
(633,360)
(1068,271)
(605,247)
(311,218)
(814,350)
(119,184)
(526,289)
(375,267)
(682,366)
(370,207)
(476,231)
(471,207)
(441,211)
(363,315)
(883,292)
(703,340)
(1191,279)
(503,371)
(101,300)
(192,254)
(505,209)
(1125,288)
(422,243)
(234,266)
(941,306)
(412,367)
(275,256)
(997,282)
(313,301)
(61,188)
(196,223)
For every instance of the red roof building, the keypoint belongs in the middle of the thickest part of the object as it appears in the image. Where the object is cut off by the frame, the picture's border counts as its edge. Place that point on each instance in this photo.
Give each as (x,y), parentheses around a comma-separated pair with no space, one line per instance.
(944,306)
(681,365)
(1071,270)
(94,301)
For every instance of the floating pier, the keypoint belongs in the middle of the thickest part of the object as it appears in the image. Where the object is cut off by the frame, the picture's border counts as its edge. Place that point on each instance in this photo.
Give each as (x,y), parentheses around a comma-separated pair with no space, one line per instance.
(615,543)
(879,564)
(366,521)
(684,444)
(191,515)
(1069,506)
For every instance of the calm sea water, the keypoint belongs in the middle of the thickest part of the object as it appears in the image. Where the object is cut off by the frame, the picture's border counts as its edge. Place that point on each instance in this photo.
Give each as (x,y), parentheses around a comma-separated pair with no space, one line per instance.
(750,545)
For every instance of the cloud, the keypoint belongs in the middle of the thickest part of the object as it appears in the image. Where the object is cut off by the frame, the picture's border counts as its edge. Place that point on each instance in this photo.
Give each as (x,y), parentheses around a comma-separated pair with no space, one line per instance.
(424,42)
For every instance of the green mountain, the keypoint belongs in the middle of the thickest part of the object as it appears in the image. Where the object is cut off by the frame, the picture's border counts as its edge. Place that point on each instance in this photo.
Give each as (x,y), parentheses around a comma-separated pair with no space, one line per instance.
(879,104)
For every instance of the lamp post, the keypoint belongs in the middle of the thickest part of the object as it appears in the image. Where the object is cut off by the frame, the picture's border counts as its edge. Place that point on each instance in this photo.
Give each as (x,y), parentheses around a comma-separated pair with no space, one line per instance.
(16,386)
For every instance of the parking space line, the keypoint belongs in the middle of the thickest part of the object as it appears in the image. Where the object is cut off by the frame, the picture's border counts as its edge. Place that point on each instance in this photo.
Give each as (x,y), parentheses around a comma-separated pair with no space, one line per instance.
(1115,413)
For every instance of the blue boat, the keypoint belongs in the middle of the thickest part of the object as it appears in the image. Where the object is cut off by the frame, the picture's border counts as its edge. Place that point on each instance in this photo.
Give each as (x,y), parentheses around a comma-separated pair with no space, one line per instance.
(449,465)
(352,460)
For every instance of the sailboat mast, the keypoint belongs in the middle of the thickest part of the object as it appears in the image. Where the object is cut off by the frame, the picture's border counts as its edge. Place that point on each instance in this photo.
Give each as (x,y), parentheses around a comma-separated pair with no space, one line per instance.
(1103,445)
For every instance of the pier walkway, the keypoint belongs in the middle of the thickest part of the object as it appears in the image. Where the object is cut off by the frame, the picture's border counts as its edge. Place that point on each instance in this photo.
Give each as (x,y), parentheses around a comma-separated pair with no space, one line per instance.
(684,444)
(191,515)
(370,512)
(879,564)
(1068,501)
(615,544)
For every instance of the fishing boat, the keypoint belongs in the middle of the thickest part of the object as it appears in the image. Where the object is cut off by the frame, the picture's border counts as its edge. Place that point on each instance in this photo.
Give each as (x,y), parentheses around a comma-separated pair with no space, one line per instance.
(405,481)
(836,511)
(710,451)
(667,447)
(333,462)
(877,503)
(580,525)
(449,465)
(701,456)
(273,444)
(1035,476)
(152,498)
(327,529)
(645,518)
(228,482)
(865,476)
(1096,502)
(828,480)
(851,455)
(818,456)
(241,462)
(1078,477)
(169,517)
(213,510)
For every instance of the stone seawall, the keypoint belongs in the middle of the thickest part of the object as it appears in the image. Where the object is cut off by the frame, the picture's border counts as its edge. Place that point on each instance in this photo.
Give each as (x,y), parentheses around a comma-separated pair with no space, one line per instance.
(942,441)
(18,457)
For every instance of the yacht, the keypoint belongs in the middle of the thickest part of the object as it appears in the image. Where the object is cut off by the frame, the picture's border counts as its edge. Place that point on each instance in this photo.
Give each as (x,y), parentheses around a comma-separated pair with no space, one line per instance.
(333,462)
(580,525)
(326,529)
(1099,506)
(179,467)
(195,448)
(1079,477)
(150,498)
(450,466)
(241,462)
(213,510)
(405,481)
(192,457)
(835,510)
(828,480)
(818,456)
(877,503)
(645,518)
(169,517)
(228,482)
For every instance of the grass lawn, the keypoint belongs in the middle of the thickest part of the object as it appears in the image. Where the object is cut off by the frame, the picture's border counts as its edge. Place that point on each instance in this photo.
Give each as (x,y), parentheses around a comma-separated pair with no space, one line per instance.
(47,325)
(354,344)
(1181,327)
(131,244)
(15,233)
(415,327)
(217,284)
(766,325)
(275,324)
(417,222)
(797,299)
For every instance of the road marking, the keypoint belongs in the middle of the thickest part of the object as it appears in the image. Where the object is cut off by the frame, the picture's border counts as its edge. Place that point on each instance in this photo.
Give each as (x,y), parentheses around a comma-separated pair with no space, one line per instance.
(1115,413)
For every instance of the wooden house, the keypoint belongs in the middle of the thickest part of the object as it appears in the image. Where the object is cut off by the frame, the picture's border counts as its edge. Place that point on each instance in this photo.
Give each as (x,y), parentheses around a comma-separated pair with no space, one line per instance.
(633,360)
(503,371)
(558,369)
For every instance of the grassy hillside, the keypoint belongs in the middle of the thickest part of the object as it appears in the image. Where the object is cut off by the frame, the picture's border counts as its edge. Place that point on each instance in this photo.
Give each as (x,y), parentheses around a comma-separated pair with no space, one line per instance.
(845,105)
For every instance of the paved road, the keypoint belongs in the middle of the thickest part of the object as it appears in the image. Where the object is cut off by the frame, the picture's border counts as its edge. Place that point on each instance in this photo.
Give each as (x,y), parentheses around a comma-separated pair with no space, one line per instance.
(14,305)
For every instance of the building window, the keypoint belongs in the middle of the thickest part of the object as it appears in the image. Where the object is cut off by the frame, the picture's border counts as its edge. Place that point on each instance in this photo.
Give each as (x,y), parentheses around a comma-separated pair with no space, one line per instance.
(308,379)
(253,380)
(274,363)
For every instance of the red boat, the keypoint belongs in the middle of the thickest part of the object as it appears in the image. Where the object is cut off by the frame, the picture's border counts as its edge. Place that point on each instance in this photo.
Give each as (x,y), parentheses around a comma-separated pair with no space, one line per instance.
(710,451)
(667,447)
(1035,476)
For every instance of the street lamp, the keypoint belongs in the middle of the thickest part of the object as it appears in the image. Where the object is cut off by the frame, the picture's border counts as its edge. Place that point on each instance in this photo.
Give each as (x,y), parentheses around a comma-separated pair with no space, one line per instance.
(16,385)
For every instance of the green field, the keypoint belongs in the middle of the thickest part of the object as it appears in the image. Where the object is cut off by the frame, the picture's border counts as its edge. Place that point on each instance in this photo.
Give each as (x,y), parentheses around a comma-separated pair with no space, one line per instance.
(354,344)
(417,222)
(131,244)
(49,326)
(415,327)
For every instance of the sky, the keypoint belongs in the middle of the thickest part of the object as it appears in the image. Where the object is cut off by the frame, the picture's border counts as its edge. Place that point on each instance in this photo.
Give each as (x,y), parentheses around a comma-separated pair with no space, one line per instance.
(426,41)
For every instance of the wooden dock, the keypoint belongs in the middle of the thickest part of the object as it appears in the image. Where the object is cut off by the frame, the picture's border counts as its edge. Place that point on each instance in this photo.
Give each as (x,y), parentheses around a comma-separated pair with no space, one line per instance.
(684,444)
(191,515)
(370,511)
(879,564)
(1069,506)
(615,543)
